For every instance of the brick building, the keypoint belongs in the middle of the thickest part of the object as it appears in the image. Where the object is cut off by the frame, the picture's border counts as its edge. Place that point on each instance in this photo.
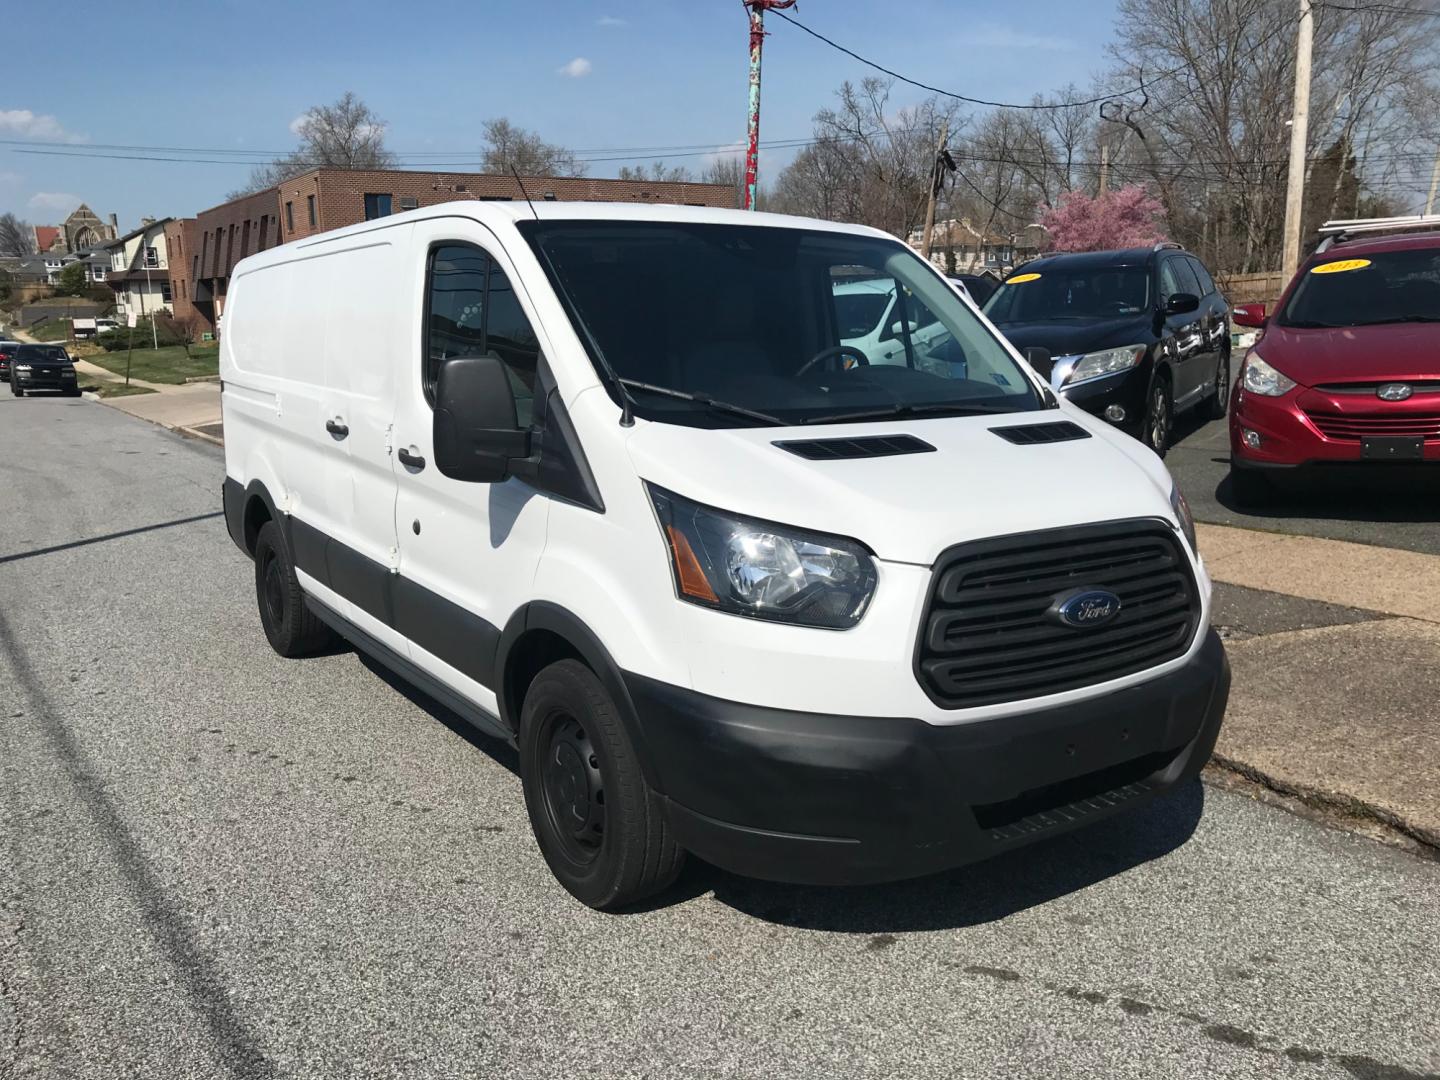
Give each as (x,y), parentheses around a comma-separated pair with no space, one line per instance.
(181,235)
(325,199)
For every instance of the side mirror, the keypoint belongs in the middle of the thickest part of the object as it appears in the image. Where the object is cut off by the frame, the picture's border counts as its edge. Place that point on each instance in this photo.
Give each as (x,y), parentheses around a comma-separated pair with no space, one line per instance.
(909,326)
(1041,360)
(475,431)
(1181,303)
(1251,315)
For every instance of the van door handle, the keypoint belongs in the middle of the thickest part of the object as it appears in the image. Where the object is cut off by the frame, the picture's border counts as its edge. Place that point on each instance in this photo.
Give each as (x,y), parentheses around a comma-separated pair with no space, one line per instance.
(337,429)
(412,461)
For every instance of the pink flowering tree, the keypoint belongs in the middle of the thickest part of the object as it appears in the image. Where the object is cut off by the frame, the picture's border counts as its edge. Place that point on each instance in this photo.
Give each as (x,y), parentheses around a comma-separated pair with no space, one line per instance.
(1124,218)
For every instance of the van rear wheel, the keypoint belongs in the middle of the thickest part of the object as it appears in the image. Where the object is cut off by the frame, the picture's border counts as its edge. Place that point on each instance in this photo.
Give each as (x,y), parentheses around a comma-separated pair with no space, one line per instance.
(602,830)
(291,628)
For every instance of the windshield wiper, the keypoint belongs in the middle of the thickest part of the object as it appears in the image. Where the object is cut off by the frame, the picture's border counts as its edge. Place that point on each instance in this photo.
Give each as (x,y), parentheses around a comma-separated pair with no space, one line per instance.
(708,402)
(903,409)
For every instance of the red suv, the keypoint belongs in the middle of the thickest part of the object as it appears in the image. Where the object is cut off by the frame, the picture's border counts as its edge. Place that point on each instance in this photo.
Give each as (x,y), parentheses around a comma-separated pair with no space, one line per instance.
(1347,369)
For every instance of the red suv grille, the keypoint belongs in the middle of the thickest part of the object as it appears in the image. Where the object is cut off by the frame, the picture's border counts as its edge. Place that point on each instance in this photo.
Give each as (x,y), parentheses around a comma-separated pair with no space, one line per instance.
(1353,426)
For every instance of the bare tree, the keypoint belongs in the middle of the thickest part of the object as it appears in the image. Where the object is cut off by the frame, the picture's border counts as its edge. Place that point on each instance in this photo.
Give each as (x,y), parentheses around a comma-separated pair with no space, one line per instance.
(870,163)
(1215,135)
(15,236)
(508,146)
(344,135)
(656,170)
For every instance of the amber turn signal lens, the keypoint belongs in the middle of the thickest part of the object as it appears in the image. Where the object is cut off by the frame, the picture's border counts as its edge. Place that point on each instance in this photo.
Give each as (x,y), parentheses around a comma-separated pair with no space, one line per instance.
(687,568)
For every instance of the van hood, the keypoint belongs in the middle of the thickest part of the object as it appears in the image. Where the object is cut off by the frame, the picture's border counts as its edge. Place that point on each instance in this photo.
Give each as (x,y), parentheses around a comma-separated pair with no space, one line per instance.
(911,507)
(1390,352)
(1069,337)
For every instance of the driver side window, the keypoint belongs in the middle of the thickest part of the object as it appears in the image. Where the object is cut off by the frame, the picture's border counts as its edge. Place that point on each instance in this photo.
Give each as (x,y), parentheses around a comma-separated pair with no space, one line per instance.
(1169,280)
(472,310)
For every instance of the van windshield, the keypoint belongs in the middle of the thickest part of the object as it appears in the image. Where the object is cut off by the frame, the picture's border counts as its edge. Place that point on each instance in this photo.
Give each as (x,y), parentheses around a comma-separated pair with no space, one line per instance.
(753,324)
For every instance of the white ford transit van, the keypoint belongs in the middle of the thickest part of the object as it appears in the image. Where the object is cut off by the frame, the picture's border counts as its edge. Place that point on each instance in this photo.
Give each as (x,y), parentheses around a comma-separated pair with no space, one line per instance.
(606,481)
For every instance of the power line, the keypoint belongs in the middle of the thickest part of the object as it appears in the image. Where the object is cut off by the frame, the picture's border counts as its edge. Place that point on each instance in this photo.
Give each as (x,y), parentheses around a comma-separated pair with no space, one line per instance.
(1383,9)
(962,97)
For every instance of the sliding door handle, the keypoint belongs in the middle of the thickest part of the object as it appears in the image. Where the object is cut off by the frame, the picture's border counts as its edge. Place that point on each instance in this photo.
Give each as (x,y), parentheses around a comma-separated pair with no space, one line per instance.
(336,428)
(411,461)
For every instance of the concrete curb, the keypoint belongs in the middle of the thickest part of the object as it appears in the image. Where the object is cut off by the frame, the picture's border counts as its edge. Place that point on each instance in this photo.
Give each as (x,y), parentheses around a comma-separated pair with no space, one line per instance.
(1339,811)
(194,433)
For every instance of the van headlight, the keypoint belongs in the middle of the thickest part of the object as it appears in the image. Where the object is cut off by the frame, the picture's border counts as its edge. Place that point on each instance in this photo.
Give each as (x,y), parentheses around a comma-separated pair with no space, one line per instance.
(1260,378)
(1096,365)
(1183,515)
(760,569)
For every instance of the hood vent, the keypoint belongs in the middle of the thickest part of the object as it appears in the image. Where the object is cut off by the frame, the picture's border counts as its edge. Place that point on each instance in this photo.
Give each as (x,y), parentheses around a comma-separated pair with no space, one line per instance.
(866,446)
(1029,434)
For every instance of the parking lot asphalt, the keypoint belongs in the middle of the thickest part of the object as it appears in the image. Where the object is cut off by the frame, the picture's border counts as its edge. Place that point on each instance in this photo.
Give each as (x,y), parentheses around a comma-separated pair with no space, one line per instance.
(218,863)
(1400,510)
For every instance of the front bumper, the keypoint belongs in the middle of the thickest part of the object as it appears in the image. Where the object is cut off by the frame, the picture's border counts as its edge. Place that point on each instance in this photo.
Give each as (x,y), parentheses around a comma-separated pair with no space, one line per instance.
(1289,438)
(811,798)
(1125,389)
(40,379)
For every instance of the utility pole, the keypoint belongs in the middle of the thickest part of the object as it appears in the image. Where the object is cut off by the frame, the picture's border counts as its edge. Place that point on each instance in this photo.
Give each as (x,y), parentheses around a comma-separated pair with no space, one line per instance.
(934,189)
(1104,168)
(1434,183)
(757,9)
(1299,135)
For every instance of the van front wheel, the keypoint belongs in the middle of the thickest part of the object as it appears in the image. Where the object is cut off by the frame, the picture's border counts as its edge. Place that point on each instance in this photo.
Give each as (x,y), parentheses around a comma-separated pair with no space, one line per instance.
(603,832)
(291,628)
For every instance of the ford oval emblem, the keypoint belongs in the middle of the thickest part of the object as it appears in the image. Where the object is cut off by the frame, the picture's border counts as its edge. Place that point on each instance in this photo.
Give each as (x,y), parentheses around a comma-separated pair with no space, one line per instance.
(1086,607)
(1394,391)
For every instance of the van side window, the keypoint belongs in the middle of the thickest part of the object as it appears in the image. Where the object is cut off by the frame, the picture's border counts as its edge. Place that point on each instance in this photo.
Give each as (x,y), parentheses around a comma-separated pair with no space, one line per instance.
(473,311)
(1207,283)
(509,336)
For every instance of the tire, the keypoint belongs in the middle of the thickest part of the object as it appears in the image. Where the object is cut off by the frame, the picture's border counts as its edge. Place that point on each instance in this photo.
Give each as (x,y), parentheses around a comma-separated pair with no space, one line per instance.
(1219,399)
(602,831)
(291,628)
(1249,488)
(17,389)
(1159,421)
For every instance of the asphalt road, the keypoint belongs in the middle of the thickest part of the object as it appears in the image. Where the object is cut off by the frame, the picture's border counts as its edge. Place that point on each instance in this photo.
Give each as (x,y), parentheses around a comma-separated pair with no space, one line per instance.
(1392,510)
(218,863)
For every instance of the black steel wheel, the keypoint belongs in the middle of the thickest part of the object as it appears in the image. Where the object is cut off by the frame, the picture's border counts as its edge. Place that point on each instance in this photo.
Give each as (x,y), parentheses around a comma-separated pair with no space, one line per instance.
(291,628)
(602,830)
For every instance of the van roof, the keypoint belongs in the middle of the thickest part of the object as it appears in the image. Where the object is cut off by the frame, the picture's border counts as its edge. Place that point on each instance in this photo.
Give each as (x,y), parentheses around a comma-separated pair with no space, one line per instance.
(495,212)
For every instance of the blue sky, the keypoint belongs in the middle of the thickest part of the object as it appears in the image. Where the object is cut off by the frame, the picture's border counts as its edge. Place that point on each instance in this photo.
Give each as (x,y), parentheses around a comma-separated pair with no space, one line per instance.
(590,74)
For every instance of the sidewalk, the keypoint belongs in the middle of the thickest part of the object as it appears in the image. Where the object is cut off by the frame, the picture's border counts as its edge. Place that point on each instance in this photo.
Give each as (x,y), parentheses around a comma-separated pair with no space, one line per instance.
(1335,649)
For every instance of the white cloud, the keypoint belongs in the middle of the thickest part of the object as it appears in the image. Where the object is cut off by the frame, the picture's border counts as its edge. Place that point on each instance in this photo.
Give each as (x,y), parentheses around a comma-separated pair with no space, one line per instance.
(10,179)
(995,36)
(609,20)
(298,123)
(57,202)
(576,69)
(29,125)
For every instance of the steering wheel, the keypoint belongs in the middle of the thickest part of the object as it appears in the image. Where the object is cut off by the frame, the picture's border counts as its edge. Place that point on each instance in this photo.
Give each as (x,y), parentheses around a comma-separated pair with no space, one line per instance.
(835,350)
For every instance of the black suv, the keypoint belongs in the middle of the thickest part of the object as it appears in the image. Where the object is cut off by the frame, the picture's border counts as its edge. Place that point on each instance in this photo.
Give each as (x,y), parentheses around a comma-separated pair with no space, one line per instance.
(1134,336)
(42,367)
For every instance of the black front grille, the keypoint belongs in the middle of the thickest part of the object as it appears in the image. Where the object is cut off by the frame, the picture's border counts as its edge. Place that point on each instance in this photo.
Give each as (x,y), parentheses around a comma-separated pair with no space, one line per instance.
(986,635)
(865,446)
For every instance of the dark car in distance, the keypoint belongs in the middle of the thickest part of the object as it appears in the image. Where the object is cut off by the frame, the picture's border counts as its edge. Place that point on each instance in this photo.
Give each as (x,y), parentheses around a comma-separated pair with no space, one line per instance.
(1134,336)
(980,286)
(7,349)
(42,367)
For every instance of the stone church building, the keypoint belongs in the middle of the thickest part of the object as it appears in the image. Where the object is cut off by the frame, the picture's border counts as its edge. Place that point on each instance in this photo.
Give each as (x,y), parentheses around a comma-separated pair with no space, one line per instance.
(81,231)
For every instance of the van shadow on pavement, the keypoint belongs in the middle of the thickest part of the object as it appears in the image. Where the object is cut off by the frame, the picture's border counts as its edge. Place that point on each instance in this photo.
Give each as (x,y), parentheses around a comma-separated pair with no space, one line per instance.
(969,896)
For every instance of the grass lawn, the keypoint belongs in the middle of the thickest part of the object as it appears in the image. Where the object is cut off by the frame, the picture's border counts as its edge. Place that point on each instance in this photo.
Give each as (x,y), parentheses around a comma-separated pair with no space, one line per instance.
(50,330)
(113,389)
(168,365)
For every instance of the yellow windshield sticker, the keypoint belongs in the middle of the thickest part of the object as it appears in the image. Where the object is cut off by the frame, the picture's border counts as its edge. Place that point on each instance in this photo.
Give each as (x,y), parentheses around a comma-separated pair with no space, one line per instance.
(1020,279)
(1340,267)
